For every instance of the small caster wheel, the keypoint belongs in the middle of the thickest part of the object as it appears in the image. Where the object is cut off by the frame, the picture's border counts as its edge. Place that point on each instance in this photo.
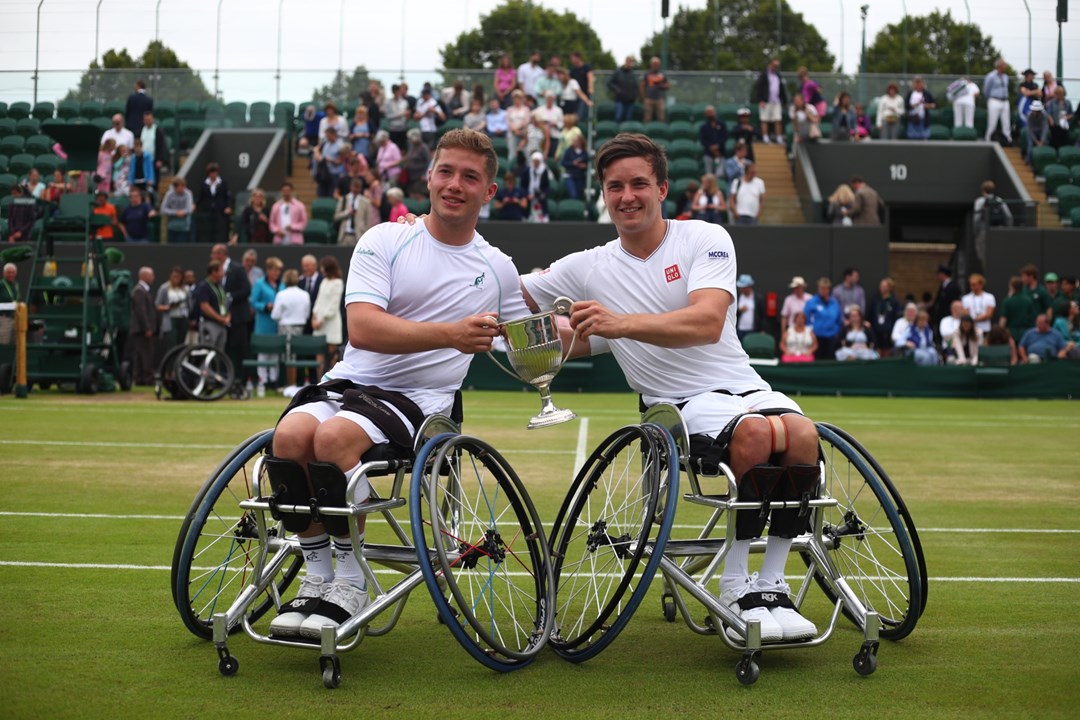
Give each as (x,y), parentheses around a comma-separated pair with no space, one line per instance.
(228,665)
(865,662)
(331,671)
(668,605)
(747,671)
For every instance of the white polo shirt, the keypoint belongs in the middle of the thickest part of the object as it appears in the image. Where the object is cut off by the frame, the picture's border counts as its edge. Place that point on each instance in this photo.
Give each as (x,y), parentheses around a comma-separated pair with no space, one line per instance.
(976,305)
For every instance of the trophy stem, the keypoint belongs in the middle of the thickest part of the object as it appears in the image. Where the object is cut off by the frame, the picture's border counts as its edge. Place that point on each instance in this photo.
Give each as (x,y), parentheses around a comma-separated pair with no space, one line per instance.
(549,414)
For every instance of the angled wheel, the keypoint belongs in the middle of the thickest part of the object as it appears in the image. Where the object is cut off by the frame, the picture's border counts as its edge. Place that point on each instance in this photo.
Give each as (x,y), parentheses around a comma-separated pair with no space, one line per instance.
(868,539)
(218,544)
(204,372)
(622,501)
(483,551)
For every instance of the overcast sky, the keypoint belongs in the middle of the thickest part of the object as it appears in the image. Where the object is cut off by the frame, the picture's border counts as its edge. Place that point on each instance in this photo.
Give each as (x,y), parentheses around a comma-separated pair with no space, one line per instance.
(387,37)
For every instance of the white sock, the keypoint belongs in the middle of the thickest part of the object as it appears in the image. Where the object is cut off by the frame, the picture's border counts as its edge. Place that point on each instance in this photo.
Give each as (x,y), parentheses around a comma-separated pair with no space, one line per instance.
(317,555)
(776,555)
(348,566)
(736,566)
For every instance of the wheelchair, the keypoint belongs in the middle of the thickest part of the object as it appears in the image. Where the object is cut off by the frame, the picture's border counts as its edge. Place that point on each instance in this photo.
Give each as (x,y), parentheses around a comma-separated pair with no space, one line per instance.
(472,536)
(196,372)
(613,533)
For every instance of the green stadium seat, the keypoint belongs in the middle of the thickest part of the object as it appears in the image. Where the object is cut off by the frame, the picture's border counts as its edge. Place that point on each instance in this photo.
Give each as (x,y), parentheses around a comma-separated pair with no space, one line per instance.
(236,113)
(18,110)
(680,112)
(164,109)
(942,116)
(1056,175)
(20,164)
(669,209)
(687,149)
(605,111)
(5,203)
(1069,156)
(7,127)
(53,128)
(568,211)
(965,134)
(284,114)
(3,109)
(554,168)
(682,130)
(260,114)
(304,350)
(940,132)
(317,232)
(7,181)
(28,126)
(3,163)
(995,356)
(1068,197)
(39,144)
(120,202)
(607,127)
(681,185)
(323,209)
(417,206)
(451,124)
(91,109)
(190,132)
(632,126)
(657,130)
(500,145)
(1074,217)
(47,164)
(1041,157)
(113,107)
(599,140)
(685,168)
(1074,175)
(67,109)
(760,346)
(189,110)
(12,145)
(980,121)
(102,123)
(43,110)
(266,345)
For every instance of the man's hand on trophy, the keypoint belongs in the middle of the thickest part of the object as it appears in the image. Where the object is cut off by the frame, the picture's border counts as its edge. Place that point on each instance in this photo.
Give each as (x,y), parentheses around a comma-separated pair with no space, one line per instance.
(589,318)
(474,333)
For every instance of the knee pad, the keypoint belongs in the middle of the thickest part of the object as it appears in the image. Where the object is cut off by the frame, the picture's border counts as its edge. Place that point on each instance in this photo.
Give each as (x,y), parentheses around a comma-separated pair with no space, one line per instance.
(328,489)
(290,487)
(757,485)
(799,482)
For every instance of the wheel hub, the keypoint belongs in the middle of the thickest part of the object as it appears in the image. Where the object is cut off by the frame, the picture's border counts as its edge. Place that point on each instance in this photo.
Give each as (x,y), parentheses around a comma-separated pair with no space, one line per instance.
(598,537)
(491,547)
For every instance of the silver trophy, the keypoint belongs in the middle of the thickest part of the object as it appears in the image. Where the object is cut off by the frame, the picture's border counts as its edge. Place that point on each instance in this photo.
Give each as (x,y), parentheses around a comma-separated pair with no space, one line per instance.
(535,351)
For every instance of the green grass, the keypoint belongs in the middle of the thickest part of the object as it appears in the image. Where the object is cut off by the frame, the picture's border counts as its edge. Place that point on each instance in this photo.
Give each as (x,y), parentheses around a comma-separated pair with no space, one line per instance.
(82,642)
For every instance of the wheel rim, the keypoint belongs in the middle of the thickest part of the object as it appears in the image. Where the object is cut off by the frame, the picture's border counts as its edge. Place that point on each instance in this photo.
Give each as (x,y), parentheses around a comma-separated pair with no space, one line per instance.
(204,373)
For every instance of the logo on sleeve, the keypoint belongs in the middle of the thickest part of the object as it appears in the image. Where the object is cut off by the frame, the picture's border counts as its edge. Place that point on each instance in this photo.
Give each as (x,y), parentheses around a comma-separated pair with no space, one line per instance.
(672,273)
(721,254)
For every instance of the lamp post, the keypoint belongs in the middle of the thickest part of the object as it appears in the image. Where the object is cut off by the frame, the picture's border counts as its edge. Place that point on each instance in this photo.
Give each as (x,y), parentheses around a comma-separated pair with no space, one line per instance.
(862,62)
(1026,7)
(37,48)
(841,36)
(903,5)
(967,42)
(217,52)
(97,53)
(157,44)
(277,75)
(341,50)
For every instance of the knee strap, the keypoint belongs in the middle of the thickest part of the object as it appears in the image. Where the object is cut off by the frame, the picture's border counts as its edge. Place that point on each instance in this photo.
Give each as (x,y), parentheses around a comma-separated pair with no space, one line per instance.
(328,489)
(800,482)
(289,486)
(757,485)
(779,433)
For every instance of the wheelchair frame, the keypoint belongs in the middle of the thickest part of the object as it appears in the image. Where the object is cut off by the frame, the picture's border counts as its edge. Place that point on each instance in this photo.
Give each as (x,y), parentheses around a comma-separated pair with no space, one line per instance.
(689,566)
(438,559)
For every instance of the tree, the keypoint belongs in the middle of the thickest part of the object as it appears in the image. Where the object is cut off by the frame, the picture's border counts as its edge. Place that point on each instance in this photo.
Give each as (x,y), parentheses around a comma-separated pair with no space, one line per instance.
(740,35)
(517,28)
(342,90)
(115,77)
(936,45)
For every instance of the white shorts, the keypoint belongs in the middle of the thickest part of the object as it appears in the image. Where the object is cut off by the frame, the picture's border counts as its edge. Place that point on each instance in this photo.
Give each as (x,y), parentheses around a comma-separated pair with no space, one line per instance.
(770,112)
(709,413)
(326,409)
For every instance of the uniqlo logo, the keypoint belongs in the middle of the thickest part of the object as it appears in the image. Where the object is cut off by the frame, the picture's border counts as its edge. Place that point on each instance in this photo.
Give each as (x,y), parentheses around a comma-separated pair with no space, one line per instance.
(672,273)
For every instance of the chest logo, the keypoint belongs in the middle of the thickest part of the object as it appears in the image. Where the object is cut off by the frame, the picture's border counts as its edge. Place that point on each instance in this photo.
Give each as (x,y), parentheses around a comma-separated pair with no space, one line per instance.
(478,283)
(671,274)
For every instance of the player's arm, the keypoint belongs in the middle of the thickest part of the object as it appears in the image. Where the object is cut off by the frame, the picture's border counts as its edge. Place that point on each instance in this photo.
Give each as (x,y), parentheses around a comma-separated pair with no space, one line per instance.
(372,328)
(699,323)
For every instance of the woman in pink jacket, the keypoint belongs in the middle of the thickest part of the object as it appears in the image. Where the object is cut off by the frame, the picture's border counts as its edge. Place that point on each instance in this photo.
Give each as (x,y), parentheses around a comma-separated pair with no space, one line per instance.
(288,218)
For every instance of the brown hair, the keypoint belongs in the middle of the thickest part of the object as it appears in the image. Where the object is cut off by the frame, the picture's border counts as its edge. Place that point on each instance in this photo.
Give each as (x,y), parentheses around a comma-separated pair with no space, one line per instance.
(630,145)
(474,142)
(330,267)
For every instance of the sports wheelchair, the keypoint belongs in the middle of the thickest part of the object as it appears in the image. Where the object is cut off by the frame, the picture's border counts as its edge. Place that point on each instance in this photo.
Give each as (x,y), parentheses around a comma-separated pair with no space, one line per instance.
(474,539)
(613,532)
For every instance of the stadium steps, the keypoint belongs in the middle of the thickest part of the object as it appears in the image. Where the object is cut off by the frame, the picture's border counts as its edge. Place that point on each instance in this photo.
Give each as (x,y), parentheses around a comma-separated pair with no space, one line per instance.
(1046,216)
(302,182)
(781,199)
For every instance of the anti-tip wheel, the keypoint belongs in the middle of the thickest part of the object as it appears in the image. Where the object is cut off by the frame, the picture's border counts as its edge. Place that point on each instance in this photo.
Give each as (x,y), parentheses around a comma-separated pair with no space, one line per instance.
(865,662)
(747,671)
(228,665)
(331,671)
(669,607)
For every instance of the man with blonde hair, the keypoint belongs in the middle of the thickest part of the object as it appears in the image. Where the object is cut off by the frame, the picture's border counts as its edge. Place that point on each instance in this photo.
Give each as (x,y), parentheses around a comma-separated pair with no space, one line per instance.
(978,303)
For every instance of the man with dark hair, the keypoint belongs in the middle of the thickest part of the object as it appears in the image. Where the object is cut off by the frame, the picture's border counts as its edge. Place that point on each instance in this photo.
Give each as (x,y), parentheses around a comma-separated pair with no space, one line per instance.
(713,137)
(138,103)
(583,73)
(211,306)
(421,300)
(213,206)
(771,97)
(674,336)
(235,283)
(948,292)
(850,293)
(868,208)
(1033,288)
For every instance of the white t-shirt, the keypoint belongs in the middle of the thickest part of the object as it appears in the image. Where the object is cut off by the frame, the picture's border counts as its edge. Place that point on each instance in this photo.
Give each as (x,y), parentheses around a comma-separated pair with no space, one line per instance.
(123,136)
(976,305)
(292,306)
(427,116)
(746,195)
(746,312)
(692,256)
(404,270)
(527,75)
(946,328)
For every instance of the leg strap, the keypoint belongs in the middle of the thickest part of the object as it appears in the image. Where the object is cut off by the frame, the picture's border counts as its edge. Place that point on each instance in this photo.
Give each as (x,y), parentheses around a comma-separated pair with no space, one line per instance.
(757,485)
(290,487)
(800,482)
(779,433)
(328,486)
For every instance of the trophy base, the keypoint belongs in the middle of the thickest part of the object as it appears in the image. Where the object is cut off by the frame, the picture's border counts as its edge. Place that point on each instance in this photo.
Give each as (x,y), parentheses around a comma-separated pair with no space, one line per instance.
(547,419)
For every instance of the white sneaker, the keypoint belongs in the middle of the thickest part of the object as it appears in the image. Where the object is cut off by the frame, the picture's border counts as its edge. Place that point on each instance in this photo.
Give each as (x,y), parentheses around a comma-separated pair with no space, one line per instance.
(294,612)
(794,625)
(339,603)
(735,599)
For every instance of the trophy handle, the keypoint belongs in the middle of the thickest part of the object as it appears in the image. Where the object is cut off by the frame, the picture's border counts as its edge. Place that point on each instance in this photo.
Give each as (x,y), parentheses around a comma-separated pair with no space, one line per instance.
(503,367)
(561,306)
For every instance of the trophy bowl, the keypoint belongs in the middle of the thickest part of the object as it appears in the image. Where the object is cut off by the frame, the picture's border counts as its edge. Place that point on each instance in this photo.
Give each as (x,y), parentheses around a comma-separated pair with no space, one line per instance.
(535,352)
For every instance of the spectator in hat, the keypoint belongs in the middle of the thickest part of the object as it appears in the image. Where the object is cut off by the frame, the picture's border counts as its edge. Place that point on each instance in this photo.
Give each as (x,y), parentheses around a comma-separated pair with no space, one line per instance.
(214,206)
(1028,92)
(948,292)
(1053,287)
(1038,128)
(750,307)
(744,132)
(793,303)
(536,183)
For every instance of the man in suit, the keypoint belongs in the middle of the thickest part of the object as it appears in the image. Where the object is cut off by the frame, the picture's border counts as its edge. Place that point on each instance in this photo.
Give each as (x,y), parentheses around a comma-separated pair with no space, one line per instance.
(948,292)
(143,328)
(868,208)
(214,206)
(236,285)
(138,103)
(310,280)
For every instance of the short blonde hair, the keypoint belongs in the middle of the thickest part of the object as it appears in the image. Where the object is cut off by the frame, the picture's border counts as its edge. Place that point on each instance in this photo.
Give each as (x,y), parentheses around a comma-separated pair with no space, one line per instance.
(274,263)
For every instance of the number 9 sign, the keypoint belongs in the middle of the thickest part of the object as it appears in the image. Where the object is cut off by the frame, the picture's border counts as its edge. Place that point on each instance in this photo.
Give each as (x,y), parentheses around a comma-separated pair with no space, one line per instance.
(243,160)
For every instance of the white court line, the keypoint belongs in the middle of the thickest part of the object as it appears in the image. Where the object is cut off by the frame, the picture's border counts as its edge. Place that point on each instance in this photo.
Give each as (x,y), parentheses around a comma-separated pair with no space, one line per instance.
(125,566)
(198,446)
(107,516)
(581,450)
